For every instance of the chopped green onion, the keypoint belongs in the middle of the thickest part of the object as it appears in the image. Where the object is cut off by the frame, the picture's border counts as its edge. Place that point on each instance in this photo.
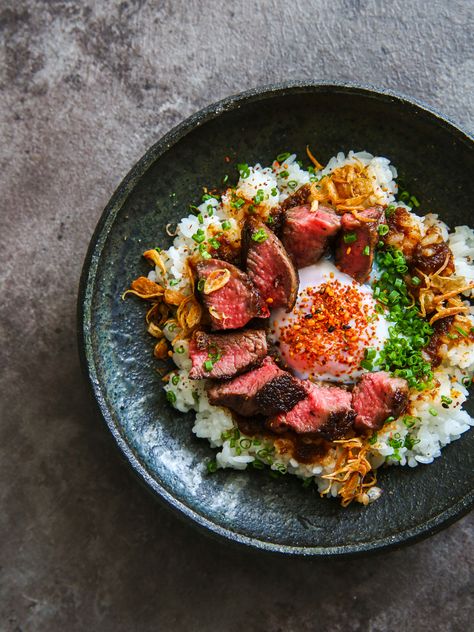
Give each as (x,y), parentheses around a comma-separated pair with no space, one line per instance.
(283,157)
(237,203)
(210,210)
(414,201)
(283,174)
(409,421)
(208,365)
(224,179)
(292,184)
(389,420)
(415,280)
(410,442)
(203,252)
(373,439)
(466,381)
(462,331)
(244,170)
(212,466)
(350,238)
(258,464)
(446,401)
(174,282)
(199,236)
(158,249)
(200,284)
(259,236)
(245,443)
(171,397)
(370,353)
(366,251)
(180,349)
(214,243)
(175,379)
(383,229)
(270,220)
(391,208)
(395,443)
(226,224)
(200,218)
(433,411)
(259,196)
(274,192)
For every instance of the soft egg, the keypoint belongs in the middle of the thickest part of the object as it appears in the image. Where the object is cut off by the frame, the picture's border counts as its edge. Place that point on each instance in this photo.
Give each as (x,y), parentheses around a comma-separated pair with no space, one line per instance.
(334,320)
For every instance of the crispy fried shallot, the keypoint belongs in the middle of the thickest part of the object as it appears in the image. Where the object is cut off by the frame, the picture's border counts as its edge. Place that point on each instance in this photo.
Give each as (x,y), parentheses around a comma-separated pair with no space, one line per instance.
(351,469)
(161,350)
(317,164)
(441,294)
(348,189)
(145,289)
(216,280)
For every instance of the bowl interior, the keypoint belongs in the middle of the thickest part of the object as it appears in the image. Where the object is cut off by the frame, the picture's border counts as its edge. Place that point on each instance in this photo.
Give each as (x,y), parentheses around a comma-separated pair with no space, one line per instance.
(435,161)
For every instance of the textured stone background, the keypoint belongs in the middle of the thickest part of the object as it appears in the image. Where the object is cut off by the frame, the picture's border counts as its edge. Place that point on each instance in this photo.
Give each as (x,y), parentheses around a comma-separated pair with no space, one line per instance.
(86,87)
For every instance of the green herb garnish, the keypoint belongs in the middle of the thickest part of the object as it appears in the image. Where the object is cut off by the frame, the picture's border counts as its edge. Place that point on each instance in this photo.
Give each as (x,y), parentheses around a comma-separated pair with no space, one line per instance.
(259,236)
(244,170)
(171,397)
(283,157)
(259,196)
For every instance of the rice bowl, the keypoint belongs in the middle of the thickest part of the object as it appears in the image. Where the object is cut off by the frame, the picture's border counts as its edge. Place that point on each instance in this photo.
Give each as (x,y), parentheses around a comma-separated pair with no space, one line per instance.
(433,417)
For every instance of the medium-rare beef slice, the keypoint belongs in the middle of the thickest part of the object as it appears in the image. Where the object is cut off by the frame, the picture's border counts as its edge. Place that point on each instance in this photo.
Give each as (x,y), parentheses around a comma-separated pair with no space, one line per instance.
(356,244)
(235,303)
(242,393)
(307,234)
(268,265)
(220,356)
(376,397)
(326,411)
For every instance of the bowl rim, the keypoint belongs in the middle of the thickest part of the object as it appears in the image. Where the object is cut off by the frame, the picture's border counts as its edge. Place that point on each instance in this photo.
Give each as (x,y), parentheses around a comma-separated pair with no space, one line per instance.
(86,293)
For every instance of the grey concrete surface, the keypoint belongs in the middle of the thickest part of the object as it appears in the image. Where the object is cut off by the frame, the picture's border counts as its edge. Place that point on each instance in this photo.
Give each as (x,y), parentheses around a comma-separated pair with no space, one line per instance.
(86,87)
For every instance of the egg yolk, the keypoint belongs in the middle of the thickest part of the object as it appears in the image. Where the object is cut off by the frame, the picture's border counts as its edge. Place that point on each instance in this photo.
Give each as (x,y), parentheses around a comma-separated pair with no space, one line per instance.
(331,325)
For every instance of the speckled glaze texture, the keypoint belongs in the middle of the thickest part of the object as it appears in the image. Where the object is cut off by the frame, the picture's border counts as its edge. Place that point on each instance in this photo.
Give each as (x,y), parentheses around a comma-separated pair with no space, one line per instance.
(250,507)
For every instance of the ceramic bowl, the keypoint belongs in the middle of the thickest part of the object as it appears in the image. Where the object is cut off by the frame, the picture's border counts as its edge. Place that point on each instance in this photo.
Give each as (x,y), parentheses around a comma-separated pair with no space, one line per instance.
(435,161)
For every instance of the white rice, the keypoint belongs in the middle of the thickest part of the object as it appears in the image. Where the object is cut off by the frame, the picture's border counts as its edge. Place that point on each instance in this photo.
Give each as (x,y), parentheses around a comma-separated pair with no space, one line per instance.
(435,425)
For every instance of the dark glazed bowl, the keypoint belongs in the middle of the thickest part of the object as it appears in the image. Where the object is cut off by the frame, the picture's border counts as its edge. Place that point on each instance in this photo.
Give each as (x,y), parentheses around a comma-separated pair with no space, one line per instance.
(435,161)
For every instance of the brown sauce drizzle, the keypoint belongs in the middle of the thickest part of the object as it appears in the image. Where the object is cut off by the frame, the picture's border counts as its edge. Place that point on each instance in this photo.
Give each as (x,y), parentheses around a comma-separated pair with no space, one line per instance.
(306,449)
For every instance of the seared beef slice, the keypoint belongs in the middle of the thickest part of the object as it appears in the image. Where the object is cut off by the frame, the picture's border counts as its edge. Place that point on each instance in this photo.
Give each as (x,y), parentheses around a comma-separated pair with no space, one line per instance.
(266,390)
(376,397)
(356,244)
(268,265)
(307,234)
(222,356)
(325,411)
(235,303)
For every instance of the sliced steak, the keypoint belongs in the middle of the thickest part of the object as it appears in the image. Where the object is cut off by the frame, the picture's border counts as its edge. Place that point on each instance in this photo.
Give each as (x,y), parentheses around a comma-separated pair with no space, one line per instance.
(234,304)
(299,197)
(307,234)
(222,356)
(267,390)
(376,397)
(326,411)
(356,244)
(268,265)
